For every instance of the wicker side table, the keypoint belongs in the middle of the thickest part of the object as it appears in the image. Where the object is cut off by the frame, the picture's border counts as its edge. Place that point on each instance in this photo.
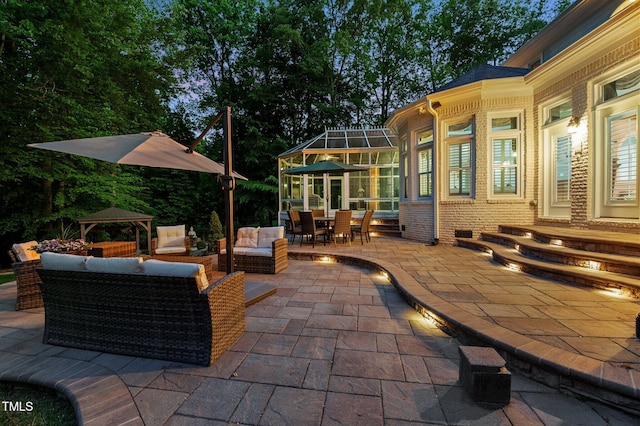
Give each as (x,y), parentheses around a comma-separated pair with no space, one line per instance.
(113,249)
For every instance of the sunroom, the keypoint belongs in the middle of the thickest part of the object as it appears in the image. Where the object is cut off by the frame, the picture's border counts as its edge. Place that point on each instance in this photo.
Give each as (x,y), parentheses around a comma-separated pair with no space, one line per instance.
(374,188)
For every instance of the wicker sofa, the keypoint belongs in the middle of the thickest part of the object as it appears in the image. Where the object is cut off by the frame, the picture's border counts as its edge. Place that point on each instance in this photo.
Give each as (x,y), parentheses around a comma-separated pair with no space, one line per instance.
(257,250)
(145,315)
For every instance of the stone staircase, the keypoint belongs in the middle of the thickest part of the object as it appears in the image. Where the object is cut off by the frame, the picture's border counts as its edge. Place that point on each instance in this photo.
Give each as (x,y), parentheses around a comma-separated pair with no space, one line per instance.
(385,226)
(605,260)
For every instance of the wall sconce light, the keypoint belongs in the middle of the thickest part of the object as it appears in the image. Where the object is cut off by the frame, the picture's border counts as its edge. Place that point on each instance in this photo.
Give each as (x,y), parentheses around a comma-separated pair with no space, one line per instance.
(572,127)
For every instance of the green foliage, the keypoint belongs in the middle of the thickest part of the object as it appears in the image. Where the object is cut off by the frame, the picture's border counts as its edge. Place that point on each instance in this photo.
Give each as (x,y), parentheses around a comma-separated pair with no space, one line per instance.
(215,230)
(70,70)
(49,407)
(7,278)
(288,68)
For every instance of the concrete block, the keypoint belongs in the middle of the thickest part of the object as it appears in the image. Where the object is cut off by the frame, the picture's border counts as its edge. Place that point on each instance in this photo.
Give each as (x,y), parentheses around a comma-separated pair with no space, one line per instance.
(483,374)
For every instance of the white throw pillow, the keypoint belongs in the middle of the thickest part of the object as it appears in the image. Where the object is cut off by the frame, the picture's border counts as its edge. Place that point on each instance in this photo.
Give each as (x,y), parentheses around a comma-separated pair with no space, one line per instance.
(63,262)
(116,265)
(268,235)
(247,237)
(24,252)
(170,236)
(176,269)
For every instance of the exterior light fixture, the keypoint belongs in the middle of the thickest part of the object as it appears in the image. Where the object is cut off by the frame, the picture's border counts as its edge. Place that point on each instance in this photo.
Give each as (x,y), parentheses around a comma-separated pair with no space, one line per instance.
(572,127)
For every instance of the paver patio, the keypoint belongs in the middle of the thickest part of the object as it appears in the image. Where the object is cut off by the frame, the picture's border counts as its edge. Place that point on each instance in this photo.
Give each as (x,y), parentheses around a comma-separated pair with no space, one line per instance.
(337,344)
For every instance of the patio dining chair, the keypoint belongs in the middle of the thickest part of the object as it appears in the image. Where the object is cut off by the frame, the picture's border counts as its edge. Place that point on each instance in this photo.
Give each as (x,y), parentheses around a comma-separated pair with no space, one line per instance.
(363,228)
(294,224)
(342,226)
(308,225)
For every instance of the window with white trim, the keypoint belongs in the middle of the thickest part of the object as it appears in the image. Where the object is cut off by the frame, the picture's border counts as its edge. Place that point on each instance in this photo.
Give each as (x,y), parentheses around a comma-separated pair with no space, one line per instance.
(505,137)
(622,145)
(617,145)
(459,142)
(425,163)
(404,154)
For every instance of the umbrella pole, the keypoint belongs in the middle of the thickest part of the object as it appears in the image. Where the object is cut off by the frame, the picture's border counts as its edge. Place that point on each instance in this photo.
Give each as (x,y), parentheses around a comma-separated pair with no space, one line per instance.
(228,188)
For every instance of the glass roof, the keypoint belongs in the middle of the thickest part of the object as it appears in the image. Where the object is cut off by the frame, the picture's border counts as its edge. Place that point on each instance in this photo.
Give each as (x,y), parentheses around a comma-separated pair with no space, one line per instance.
(348,138)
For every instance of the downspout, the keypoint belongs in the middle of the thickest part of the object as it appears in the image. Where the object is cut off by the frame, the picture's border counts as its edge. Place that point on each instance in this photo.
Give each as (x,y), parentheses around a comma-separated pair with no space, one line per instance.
(435,168)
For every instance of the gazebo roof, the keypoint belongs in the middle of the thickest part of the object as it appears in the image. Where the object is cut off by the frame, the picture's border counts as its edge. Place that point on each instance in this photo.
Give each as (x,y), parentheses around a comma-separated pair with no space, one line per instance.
(348,139)
(116,215)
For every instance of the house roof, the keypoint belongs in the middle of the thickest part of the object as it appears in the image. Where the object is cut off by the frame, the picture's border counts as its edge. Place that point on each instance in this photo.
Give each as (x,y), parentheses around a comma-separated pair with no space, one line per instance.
(484,72)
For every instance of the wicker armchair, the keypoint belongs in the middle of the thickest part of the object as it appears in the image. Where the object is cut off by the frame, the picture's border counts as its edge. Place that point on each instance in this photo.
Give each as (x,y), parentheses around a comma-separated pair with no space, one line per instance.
(171,240)
(278,261)
(143,315)
(27,283)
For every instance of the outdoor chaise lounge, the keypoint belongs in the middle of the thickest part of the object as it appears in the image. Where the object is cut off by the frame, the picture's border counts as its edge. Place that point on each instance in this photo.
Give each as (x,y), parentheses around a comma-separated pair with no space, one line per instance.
(144,310)
(257,250)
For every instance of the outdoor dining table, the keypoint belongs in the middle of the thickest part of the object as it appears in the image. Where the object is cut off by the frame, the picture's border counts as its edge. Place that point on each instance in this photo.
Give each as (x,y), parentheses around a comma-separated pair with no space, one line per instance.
(324,220)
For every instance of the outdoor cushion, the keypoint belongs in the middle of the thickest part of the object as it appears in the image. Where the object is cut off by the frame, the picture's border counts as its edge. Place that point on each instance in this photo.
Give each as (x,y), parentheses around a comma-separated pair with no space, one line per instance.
(176,269)
(63,262)
(268,235)
(240,251)
(24,253)
(171,250)
(116,265)
(171,236)
(247,237)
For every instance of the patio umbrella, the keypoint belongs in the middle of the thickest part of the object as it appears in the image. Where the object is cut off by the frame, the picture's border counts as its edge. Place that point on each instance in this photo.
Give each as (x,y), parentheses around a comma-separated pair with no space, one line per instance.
(156,149)
(153,149)
(325,168)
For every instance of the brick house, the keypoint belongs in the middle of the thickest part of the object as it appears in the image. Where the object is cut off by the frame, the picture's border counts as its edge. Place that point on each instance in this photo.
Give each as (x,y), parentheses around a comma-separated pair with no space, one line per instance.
(547,138)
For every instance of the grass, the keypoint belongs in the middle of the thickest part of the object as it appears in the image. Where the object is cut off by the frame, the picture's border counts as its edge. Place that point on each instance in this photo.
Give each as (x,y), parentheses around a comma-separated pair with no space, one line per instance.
(34,406)
(27,405)
(5,278)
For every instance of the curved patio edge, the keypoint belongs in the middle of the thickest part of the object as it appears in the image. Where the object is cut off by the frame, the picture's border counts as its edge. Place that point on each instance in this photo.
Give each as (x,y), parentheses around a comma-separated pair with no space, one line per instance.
(92,390)
(555,367)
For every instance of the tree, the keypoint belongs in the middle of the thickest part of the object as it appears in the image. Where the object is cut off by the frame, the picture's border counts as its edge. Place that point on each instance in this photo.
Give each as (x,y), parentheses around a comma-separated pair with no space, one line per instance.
(463,34)
(69,70)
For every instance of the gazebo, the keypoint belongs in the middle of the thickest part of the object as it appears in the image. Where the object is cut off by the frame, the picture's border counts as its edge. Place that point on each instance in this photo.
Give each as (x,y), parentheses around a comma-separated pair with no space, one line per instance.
(114,214)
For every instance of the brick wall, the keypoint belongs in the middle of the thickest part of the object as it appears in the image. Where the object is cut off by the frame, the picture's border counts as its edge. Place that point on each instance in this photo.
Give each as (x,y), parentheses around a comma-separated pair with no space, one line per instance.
(583,176)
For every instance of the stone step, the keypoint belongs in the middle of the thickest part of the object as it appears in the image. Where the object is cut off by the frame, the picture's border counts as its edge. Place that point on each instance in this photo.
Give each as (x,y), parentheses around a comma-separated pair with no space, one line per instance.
(622,264)
(581,239)
(385,226)
(625,284)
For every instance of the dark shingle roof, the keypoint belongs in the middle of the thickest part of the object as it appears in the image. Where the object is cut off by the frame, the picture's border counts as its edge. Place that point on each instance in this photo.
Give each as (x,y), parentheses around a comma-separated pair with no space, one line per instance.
(484,72)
